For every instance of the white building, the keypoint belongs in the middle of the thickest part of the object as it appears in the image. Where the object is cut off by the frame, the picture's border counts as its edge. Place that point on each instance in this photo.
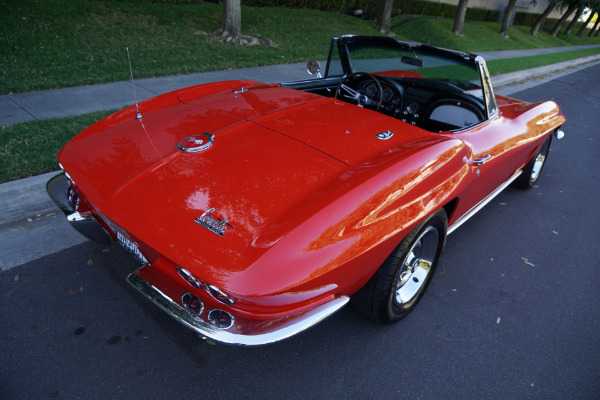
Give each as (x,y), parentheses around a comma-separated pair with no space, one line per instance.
(529,6)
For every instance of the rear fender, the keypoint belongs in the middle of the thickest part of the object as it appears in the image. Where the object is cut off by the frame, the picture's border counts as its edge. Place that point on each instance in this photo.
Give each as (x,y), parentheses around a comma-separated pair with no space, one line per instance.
(354,223)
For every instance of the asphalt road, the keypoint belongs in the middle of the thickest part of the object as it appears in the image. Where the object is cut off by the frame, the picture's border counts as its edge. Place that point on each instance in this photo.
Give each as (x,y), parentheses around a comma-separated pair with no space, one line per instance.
(512,312)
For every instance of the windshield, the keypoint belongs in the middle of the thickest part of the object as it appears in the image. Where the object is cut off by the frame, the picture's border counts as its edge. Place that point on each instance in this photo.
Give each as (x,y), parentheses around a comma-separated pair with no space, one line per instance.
(403,60)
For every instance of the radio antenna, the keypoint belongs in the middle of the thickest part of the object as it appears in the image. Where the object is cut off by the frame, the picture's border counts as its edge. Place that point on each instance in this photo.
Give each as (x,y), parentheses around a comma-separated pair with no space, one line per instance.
(138,115)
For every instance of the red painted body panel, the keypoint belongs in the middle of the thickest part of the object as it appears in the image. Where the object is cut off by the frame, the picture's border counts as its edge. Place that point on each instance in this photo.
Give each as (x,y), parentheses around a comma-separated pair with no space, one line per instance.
(511,138)
(271,186)
(312,199)
(320,195)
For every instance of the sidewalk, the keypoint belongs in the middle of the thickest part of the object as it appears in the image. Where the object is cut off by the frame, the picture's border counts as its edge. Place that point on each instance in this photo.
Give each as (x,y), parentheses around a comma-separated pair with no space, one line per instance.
(22,107)
(26,197)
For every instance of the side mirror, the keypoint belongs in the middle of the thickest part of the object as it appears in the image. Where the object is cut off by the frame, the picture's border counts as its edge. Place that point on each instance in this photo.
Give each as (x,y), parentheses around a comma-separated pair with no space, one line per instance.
(313,67)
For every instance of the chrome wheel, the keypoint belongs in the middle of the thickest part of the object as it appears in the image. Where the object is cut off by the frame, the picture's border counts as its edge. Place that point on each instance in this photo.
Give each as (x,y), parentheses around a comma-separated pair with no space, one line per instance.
(539,162)
(399,283)
(533,170)
(537,166)
(416,266)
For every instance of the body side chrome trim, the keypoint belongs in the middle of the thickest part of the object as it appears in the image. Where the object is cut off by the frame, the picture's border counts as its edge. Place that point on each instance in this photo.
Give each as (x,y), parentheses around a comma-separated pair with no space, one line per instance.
(295,325)
(483,203)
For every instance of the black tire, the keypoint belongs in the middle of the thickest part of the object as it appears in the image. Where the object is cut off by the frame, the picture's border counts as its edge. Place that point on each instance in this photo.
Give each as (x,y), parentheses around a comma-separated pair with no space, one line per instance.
(533,170)
(400,282)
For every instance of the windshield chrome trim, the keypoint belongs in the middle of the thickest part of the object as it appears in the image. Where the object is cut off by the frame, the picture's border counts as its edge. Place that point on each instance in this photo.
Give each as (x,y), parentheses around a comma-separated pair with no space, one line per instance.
(489,97)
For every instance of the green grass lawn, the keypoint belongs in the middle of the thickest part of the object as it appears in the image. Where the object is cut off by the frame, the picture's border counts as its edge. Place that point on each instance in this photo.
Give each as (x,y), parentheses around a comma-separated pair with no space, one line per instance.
(30,148)
(480,36)
(47,44)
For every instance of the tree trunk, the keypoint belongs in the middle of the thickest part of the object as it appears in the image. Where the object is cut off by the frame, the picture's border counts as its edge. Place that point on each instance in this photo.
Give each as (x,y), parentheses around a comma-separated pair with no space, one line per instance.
(507,16)
(538,24)
(561,21)
(589,19)
(459,20)
(232,21)
(384,15)
(574,20)
(595,26)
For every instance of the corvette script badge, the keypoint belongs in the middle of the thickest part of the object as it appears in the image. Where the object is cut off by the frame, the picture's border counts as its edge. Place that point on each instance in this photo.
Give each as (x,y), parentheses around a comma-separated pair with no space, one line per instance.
(195,143)
(215,225)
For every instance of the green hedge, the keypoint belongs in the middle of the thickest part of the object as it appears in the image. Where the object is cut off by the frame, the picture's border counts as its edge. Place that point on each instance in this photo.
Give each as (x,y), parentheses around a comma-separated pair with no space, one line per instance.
(338,6)
(528,19)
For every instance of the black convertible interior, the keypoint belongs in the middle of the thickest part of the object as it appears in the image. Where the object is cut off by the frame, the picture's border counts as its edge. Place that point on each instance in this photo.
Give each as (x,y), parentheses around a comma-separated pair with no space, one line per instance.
(432,105)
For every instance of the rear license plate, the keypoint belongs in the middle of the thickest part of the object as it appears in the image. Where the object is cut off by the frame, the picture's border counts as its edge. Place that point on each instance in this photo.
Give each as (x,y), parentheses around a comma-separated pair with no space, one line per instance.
(130,247)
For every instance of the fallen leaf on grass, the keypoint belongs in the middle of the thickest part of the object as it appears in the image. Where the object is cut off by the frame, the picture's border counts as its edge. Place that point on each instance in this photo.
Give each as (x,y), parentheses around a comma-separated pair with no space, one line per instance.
(498,320)
(90,261)
(29,219)
(17,278)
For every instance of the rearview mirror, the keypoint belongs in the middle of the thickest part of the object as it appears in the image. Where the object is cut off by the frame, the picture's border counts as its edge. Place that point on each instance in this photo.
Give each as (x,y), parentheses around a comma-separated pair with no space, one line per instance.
(412,61)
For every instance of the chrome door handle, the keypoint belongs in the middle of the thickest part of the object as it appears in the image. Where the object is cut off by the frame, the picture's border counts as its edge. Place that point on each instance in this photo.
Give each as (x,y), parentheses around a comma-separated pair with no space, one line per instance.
(481,160)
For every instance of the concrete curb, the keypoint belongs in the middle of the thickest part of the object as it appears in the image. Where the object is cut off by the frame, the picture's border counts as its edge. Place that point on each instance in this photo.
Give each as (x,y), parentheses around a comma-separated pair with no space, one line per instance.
(26,197)
(518,78)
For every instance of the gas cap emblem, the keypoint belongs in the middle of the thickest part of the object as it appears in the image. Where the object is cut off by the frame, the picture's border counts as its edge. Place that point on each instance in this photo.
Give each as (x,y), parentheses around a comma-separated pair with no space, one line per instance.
(196,143)
(385,135)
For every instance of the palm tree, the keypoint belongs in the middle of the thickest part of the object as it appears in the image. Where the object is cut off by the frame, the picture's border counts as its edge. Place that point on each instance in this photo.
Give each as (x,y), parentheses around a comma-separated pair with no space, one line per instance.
(573,5)
(384,15)
(538,24)
(575,18)
(506,21)
(459,20)
(232,21)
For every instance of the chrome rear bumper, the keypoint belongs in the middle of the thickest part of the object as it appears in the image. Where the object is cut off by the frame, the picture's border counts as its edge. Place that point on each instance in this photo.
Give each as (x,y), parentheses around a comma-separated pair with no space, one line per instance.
(84,222)
(270,332)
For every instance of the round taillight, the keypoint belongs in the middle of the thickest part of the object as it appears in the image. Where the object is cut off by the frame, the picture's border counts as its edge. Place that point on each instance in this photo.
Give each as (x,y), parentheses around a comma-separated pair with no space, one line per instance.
(221,319)
(192,303)
(189,278)
(73,198)
(219,295)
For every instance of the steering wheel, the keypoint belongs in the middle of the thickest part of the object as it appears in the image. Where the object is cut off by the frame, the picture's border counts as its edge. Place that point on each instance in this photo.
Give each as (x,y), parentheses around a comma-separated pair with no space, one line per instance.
(361,99)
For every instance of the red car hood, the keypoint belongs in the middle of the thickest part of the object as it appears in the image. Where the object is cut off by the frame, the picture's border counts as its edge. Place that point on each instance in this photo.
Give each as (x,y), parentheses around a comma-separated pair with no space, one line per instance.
(272,148)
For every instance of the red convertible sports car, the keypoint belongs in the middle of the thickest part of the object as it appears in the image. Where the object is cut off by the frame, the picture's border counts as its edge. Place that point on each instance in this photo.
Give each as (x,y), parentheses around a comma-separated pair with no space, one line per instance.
(256,210)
